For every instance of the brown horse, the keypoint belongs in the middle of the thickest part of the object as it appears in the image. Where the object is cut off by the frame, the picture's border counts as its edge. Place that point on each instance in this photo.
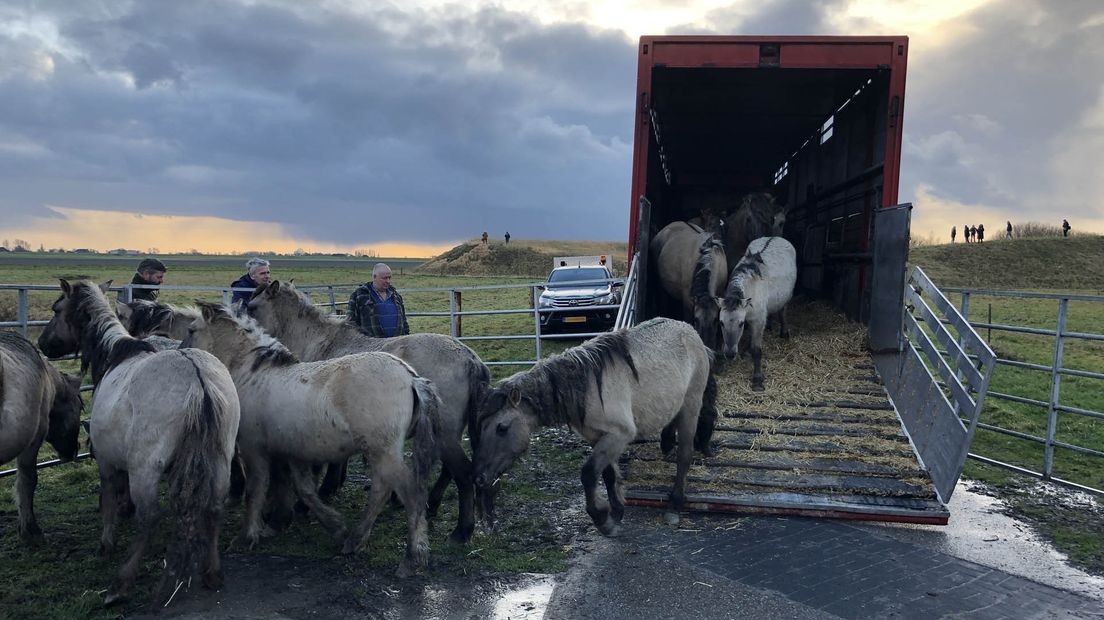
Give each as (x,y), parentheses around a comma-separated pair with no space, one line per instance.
(757,216)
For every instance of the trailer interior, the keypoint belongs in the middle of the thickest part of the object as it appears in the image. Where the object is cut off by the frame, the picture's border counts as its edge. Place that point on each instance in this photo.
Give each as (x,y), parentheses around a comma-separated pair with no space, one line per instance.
(817,122)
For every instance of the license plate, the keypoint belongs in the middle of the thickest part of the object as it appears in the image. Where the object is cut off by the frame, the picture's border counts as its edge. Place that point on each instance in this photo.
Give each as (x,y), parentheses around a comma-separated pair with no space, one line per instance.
(574,319)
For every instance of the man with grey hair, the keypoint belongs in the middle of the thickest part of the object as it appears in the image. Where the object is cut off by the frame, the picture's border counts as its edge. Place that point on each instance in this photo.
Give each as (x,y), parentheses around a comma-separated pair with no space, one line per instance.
(257,272)
(376,308)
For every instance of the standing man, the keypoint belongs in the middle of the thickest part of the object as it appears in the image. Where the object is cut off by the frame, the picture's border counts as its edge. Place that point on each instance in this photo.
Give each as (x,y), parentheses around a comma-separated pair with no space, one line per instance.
(954,232)
(1065,228)
(257,272)
(980,233)
(150,271)
(484,237)
(507,237)
(376,308)
(1008,230)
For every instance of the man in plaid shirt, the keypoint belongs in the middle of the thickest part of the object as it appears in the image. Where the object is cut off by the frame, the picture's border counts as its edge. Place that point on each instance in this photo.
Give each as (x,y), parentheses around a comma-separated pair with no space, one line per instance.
(376,308)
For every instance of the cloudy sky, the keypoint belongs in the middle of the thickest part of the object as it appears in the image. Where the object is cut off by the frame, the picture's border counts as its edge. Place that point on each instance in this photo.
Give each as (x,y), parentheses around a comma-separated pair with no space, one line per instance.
(406,127)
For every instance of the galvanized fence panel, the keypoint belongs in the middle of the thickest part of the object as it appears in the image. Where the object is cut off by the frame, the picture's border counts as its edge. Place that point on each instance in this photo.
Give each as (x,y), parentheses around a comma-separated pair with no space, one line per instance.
(330,293)
(1055,409)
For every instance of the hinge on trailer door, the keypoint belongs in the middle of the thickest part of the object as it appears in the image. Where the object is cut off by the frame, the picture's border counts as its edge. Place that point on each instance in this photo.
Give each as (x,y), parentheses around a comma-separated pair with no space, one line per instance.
(894,108)
(644,106)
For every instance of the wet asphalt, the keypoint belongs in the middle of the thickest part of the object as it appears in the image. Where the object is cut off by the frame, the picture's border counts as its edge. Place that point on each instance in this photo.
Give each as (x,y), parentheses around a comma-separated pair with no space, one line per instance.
(983,565)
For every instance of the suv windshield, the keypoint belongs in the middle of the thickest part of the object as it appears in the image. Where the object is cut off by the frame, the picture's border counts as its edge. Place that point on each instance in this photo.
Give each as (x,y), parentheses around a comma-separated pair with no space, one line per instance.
(576,275)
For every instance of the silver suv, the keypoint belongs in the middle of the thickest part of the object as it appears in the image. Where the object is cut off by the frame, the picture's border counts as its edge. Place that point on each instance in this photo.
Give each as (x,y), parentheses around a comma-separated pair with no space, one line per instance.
(577,298)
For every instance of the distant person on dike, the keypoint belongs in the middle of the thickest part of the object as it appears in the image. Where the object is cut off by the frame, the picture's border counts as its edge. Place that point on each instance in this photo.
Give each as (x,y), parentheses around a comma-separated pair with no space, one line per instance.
(1065,228)
(484,237)
(973,233)
(966,232)
(150,271)
(258,271)
(981,233)
(376,308)
(954,231)
(507,237)
(1008,230)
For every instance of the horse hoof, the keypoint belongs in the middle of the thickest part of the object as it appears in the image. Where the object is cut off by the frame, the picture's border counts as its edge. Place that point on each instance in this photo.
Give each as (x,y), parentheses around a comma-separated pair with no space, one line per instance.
(404,571)
(106,549)
(758,387)
(213,580)
(671,518)
(114,597)
(609,528)
(349,548)
(460,537)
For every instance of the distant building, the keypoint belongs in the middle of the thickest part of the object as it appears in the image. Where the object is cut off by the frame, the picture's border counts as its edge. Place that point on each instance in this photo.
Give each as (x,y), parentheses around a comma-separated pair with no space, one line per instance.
(4,249)
(83,251)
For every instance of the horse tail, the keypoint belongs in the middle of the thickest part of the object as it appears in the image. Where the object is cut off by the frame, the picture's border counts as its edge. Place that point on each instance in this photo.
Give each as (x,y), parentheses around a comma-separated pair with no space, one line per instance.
(707,417)
(479,383)
(198,482)
(425,427)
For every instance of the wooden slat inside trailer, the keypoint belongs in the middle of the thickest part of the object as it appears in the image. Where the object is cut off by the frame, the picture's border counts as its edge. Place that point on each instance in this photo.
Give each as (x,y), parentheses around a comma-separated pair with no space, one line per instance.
(823,440)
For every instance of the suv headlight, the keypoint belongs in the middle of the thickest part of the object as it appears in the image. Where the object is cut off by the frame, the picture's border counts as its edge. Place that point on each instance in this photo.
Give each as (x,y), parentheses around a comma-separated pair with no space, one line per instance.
(607,300)
(544,302)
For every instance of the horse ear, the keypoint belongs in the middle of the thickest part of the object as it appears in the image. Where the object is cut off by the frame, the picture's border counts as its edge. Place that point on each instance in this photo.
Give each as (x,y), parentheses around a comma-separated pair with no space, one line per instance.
(273,288)
(207,309)
(123,311)
(106,286)
(720,302)
(291,283)
(65,286)
(515,397)
(747,302)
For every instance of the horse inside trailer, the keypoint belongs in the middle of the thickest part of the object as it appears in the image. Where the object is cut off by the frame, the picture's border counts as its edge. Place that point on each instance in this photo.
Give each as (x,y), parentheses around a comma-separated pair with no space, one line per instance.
(817,123)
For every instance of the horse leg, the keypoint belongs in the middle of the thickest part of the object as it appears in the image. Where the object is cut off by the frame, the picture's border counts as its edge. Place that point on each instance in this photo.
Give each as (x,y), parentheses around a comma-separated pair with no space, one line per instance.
(757,358)
(26,479)
(109,507)
(377,495)
(604,453)
(401,479)
(212,574)
(612,478)
(237,481)
(485,503)
(438,491)
(459,466)
(667,439)
(256,488)
(304,485)
(147,511)
(783,328)
(336,473)
(687,423)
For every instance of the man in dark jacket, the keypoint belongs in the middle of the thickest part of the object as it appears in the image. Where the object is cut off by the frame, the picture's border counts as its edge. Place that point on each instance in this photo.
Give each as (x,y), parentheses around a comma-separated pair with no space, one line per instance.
(376,308)
(150,271)
(257,272)
(980,233)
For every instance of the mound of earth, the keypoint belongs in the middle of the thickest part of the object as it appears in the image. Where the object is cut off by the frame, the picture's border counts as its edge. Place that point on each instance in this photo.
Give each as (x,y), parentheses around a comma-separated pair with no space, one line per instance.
(519,258)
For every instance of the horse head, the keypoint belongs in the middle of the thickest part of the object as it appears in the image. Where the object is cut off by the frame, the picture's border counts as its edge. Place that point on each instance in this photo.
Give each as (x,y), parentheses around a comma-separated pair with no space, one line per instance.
(65,412)
(733,318)
(505,421)
(62,335)
(273,300)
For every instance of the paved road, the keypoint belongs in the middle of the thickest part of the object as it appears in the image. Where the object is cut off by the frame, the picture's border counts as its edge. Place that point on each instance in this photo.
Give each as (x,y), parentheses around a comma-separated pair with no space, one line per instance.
(984,565)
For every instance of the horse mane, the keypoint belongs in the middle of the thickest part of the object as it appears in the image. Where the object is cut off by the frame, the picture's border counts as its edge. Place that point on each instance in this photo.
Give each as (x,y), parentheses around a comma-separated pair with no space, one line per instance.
(556,387)
(147,316)
(700,290)
(267,350)
(748,267)
(105,343)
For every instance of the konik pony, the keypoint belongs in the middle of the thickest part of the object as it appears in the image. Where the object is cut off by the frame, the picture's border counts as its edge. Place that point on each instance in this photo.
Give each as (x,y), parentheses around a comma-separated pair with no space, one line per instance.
(153,413)
(37,402)
(611,390)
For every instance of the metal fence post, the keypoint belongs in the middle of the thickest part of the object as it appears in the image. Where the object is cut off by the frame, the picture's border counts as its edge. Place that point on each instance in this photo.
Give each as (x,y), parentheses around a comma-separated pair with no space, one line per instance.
(129,294)
(1055,388)
(226,294)
(21,312)
(333,300)
(452,312)
(536,321)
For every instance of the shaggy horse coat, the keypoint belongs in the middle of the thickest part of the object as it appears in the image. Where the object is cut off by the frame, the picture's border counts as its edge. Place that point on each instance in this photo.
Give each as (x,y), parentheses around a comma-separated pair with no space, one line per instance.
(761,285)
(36,403)
(611,390)
(757,216)
(306,413)
(153,413)
(456,371)
(693,269)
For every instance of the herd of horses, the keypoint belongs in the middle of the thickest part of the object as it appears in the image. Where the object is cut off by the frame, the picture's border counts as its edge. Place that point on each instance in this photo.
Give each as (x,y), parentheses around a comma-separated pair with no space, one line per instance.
(264,397)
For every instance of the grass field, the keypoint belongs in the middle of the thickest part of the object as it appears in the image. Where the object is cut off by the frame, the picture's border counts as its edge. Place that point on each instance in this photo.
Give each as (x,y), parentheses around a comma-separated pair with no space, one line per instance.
(65,579)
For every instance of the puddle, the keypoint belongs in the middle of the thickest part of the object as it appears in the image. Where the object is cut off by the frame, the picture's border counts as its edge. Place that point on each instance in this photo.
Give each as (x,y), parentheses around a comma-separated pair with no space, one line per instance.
(527,600)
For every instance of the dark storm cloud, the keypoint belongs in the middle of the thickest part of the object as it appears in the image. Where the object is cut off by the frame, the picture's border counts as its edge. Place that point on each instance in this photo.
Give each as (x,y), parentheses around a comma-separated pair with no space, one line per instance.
(350,127)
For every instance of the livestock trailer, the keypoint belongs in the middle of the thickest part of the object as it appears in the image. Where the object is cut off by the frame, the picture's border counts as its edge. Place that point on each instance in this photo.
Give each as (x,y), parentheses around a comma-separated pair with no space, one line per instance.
(818,122)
